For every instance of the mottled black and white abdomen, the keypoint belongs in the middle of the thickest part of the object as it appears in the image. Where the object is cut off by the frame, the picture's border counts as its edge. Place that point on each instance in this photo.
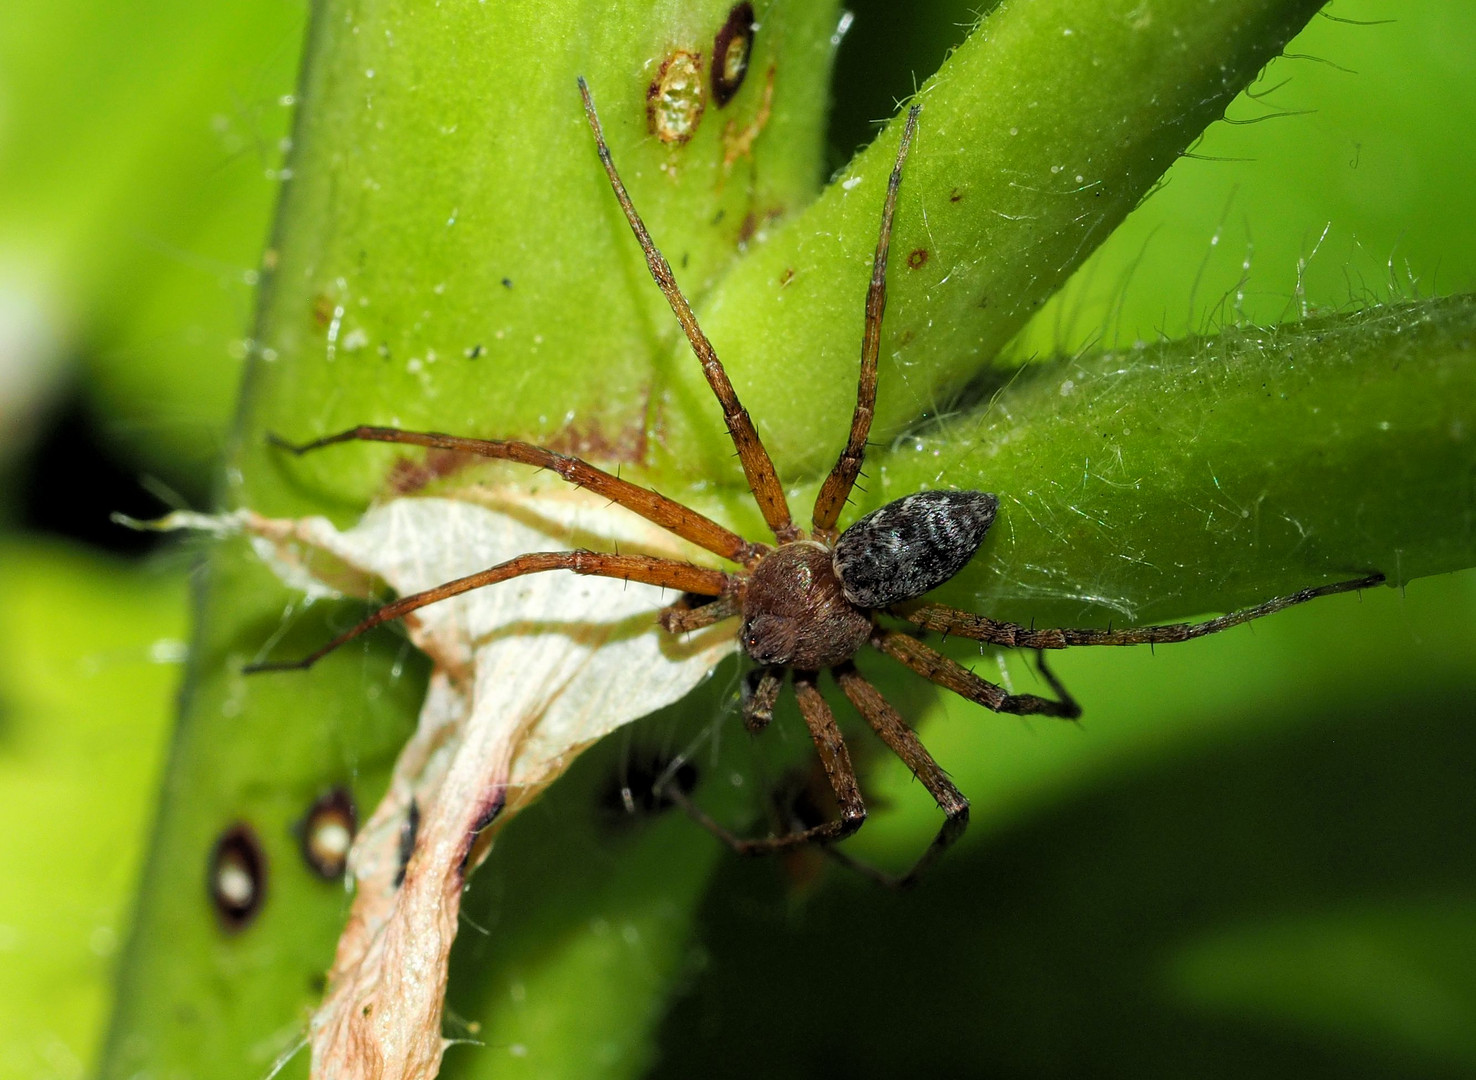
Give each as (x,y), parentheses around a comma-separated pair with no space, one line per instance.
(907,547)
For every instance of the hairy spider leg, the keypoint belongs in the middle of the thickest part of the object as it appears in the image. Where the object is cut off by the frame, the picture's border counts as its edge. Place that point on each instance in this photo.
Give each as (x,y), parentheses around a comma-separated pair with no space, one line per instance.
(682,618)
(980,628)
(838,770)
(758,467)
(651,505)
(951,675)
(836,490)
(903,741)
(668,573)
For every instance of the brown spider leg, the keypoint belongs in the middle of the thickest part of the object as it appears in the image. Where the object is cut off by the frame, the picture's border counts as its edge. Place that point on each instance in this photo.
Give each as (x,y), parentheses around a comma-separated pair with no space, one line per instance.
(680,618)
(951,675)
(903,741)
(838,770)
(979,628)
(653,506)
(667,573)
(758,467)
(836,490)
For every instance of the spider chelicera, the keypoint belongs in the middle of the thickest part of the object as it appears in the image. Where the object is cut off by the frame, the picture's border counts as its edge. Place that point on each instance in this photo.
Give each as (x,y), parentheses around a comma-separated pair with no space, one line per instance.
(812,600)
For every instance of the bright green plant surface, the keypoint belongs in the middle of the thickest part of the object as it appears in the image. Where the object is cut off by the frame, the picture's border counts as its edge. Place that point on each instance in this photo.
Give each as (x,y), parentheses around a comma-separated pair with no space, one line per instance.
(1070,899)
(138,149)
(90,671)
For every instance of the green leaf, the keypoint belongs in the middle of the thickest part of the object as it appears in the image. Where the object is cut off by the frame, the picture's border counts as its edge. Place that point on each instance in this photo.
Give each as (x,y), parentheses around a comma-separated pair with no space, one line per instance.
(1315,451)
(448,256)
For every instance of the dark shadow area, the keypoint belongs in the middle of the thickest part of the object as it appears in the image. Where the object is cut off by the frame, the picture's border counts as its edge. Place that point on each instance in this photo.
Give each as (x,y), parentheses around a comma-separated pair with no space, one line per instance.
(1044,951)
(889,50)
(71,482)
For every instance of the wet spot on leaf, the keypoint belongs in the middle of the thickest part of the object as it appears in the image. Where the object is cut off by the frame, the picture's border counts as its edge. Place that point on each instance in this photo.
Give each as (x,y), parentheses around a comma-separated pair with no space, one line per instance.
(918,258)
(730,52)
(327,832)
(237,877)
(676,98)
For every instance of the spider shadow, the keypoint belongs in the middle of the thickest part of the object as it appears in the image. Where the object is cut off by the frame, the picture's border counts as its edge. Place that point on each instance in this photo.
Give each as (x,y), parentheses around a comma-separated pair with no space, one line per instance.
(1056,947)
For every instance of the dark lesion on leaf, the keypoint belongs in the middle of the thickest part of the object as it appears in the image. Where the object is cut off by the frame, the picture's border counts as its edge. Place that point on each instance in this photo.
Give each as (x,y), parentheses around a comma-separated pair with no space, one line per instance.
(731,49)
(409,832)
(326,833)
(237,877)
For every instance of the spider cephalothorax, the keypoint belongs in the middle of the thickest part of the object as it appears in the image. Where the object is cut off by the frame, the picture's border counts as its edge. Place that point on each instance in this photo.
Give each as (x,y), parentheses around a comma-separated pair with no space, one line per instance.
(814,600)
(808,604)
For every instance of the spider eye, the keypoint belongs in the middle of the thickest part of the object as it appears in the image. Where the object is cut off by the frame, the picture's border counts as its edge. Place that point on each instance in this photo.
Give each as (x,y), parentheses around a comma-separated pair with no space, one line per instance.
(912,545)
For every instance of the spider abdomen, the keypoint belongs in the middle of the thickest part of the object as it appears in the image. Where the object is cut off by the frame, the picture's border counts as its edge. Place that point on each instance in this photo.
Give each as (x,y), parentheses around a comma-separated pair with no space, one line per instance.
(795,613)
(906,548)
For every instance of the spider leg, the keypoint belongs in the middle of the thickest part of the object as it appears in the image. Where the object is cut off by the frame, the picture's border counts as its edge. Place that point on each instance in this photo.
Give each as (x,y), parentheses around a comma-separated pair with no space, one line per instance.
(836,490)
(978,627)
(951,675)
(758,467)
(653,506)
(667,573)
(682,618)
(838,770)
(903,741)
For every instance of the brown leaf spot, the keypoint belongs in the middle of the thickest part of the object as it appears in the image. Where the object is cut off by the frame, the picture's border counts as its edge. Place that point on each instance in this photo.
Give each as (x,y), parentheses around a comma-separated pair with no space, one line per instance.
(322,310)
(594,442)
(918,258)
(738,141)
(730,52)
(408,475)
(754,220)
(676,97)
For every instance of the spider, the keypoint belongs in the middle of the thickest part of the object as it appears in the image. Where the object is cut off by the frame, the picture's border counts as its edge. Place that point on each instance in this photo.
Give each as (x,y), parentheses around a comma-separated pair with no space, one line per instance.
(813,599)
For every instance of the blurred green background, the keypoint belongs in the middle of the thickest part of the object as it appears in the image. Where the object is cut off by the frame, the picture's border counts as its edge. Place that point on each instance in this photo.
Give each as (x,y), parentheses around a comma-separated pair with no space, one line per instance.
(1256,856)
